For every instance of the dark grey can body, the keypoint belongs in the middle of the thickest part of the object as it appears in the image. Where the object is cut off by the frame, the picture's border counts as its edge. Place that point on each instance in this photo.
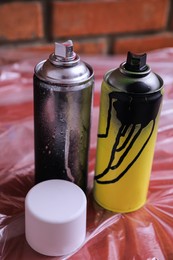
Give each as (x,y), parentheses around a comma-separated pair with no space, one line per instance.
(62,129)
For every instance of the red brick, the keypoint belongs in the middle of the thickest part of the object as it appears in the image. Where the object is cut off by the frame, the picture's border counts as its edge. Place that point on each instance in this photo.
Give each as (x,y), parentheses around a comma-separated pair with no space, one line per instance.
(88,46)
(21,21)
(96,46)
(74,18)
(143,43)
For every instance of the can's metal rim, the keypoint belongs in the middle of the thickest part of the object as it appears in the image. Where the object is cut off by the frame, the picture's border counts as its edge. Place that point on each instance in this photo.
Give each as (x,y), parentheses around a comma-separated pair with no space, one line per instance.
(54,59)
(106,76)
(134,73)
(59,81)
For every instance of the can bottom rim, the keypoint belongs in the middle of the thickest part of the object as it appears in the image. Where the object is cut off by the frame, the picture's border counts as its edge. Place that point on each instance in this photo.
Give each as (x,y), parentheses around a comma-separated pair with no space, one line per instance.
(119,210)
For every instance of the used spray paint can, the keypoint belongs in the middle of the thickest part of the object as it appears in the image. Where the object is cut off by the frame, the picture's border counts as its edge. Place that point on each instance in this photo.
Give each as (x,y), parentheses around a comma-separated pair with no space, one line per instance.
(63,87)
(131,98)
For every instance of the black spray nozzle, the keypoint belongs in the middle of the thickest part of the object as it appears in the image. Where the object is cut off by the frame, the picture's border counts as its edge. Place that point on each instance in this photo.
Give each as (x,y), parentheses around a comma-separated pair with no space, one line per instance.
(136,62)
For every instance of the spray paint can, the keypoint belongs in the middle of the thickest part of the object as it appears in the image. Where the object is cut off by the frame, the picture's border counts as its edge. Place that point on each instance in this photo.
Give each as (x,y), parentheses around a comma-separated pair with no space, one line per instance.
(63,87)
(131,98)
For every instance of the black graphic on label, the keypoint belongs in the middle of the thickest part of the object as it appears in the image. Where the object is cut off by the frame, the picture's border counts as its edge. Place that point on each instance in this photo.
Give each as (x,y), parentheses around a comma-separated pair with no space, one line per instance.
(133,112)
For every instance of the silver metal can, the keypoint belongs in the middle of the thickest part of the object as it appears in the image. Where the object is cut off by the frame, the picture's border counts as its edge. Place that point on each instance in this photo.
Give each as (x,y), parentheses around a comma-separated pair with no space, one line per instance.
(63,87)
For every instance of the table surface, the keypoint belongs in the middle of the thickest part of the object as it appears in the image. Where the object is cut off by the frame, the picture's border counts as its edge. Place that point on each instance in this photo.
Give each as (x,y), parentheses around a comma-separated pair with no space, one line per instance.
(144,234)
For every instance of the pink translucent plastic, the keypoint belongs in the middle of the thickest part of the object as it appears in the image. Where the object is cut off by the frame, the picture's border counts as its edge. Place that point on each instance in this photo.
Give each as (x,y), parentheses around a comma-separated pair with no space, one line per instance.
(144,234)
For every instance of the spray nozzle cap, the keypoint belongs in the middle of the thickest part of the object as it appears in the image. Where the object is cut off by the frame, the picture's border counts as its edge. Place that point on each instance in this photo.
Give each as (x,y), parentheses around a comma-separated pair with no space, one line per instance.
(65,50)
(136,62)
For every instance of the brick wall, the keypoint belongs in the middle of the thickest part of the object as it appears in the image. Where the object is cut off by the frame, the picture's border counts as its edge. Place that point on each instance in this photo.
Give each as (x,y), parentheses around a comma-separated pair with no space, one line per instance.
(95,26)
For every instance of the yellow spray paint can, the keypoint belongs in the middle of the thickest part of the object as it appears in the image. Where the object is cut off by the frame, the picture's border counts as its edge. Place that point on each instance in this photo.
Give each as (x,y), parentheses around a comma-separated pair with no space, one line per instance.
(131,98)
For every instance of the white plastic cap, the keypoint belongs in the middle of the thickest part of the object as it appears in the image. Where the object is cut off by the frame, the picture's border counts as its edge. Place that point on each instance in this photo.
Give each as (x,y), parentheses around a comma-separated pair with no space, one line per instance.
(55,217)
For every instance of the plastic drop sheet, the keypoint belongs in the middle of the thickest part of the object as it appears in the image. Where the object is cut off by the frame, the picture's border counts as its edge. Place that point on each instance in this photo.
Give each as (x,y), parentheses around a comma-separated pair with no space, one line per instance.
(144,234)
